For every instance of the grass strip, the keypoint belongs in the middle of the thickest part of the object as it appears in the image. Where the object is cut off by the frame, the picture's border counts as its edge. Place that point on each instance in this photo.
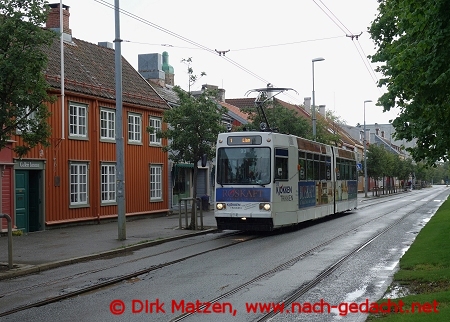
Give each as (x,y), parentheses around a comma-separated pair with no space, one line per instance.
(423,279)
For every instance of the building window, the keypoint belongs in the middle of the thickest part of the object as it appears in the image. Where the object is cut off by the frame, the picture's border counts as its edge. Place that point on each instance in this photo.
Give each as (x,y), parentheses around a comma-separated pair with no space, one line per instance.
(155,123)
(134,128)
(108,183)
(107,124)
(29,116)
(78,184)
(77,120)
(155,182)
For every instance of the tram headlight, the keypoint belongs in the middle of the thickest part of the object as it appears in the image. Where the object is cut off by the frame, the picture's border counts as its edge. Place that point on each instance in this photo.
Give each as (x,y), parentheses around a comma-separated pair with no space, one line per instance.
(220,206)
(264,206)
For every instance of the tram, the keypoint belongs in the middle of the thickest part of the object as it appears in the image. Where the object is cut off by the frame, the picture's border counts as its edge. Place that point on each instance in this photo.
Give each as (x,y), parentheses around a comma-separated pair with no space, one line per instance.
(265,180)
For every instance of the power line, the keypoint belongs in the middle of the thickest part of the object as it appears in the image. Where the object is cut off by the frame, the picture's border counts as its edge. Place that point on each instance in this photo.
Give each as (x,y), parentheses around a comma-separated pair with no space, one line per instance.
(286,44)
(352,36)
(140,19)
(335,17)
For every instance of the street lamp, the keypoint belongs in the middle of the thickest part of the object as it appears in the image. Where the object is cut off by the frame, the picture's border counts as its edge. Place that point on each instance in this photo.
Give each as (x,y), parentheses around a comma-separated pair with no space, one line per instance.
(365,157)
(313,110)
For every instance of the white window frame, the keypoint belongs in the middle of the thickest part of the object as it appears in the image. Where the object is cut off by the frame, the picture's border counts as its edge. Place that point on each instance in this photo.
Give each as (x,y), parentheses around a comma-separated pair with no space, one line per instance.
(78,120)
(134,128)
(156,124)
(79,183)
(156,183)
(31,116)
(108,183)
(107,124)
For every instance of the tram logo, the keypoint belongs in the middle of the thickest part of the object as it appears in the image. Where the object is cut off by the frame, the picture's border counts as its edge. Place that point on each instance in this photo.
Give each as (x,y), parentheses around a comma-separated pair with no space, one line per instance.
(243,194)
(283,190)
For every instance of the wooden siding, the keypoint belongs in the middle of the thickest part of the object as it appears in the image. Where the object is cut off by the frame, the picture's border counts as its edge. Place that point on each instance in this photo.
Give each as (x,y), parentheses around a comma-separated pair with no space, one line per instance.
(63,151)
(7,196)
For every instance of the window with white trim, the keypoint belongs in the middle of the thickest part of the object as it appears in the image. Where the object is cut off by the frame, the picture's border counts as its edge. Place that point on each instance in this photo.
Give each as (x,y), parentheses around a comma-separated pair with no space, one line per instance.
(107,124)
(78,184)
(155,123)
(155,182)
(108,183)
(28,116)
(134,128)
(77,120)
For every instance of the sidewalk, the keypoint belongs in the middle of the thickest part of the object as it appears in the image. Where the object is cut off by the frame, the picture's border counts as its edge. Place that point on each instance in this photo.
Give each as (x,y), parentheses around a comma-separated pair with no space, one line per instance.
(38,251)
(42,250)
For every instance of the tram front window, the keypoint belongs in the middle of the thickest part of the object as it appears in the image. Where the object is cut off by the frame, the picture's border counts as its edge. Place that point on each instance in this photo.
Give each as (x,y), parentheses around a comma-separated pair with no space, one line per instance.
(243,165)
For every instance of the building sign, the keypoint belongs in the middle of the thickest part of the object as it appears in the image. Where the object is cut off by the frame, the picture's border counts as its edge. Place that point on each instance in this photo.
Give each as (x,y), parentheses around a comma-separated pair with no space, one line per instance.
(29,165)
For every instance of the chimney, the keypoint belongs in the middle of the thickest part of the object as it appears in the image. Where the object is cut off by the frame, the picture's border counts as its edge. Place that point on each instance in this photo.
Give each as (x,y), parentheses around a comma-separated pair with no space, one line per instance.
(106,44)
(221,95)
(53,21)
(382,134)
(322,110)
(150,67)
(307,104)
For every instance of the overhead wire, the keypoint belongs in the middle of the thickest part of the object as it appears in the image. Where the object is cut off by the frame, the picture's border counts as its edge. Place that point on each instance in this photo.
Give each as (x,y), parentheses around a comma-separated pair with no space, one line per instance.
(349,34)
(140,19)
(288,43)
(330,14)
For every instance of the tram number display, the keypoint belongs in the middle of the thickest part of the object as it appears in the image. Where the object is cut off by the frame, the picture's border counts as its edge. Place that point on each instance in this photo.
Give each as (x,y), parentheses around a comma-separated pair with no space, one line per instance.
(244,140)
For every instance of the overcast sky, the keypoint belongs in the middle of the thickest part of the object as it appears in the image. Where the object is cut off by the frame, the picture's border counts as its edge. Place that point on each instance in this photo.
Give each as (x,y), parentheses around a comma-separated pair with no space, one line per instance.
(268,41)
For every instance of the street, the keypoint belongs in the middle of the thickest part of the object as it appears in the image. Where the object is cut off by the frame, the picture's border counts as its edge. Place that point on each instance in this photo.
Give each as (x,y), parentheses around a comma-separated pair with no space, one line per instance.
(317,270)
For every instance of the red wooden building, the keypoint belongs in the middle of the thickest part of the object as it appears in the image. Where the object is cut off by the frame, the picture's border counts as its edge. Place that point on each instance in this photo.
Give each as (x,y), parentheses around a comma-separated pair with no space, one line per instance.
(74,179)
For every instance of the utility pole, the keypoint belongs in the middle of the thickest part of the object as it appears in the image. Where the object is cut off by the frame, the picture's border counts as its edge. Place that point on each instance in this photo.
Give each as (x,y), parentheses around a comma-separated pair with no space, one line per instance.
(120,168)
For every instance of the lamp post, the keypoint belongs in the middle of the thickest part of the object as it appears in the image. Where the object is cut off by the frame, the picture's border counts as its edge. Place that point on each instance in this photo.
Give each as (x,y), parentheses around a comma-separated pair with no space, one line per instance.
(313,110)
(365,157)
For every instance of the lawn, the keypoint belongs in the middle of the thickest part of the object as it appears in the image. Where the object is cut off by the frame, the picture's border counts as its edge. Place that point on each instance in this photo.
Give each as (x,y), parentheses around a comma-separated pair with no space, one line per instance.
(424,275)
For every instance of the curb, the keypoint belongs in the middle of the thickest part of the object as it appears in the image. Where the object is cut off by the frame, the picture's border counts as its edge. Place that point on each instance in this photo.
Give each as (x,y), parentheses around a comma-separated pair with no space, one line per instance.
(32,269)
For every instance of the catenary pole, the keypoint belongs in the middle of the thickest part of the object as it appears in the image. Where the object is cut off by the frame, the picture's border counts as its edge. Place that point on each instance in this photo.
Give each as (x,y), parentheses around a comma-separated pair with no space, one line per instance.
(365,157)
(120,168)
(313,109)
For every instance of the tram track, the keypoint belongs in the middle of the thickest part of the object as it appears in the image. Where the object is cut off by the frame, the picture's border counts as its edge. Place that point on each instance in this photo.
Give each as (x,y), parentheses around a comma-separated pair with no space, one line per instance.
(333,267)
(302,290)
(314,282)
(118,279)
(104,268)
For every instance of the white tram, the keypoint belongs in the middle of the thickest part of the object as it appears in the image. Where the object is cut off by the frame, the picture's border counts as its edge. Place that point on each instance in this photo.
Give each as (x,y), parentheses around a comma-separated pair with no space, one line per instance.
(267,180)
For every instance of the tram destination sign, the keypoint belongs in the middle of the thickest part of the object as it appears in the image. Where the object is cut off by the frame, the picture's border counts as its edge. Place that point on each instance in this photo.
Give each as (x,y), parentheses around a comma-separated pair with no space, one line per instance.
(244,140)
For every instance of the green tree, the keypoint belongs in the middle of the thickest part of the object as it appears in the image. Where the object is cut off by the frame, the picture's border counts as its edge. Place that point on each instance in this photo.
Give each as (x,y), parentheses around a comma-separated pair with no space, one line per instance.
(327,129)
(376,161)
(412,37)
(23,88)
(280,118)
(192,132)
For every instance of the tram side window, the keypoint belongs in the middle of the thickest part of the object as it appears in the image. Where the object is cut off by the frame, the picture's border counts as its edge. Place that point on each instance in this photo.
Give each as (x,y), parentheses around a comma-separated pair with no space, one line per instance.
(301,166)
(323,172)
(353,170)
(339,173)
(281,164)
(328,168)
(309,167)
(346,169)
(316,167)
